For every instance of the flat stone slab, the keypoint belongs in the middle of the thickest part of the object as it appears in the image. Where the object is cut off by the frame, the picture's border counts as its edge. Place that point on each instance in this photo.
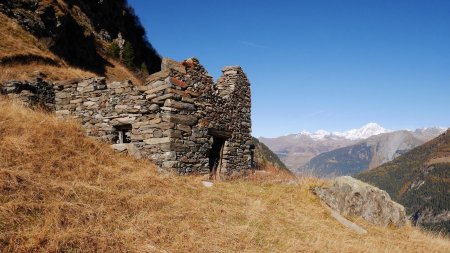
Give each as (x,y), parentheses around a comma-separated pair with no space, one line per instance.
(341,219)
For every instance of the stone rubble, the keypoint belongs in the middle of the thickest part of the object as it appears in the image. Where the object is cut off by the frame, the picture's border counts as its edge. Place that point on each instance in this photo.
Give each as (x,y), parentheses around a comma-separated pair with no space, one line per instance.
(36,94)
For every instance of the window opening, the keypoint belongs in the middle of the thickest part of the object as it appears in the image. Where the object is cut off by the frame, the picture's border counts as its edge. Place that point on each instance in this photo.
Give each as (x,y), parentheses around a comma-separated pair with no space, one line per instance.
(123,134)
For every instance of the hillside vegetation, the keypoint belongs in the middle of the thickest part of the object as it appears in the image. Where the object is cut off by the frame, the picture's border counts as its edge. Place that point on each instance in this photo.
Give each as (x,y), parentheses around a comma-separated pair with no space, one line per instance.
(340,162)
(63,192)
(66,39)
(420,180)
(297,150)
(265,157)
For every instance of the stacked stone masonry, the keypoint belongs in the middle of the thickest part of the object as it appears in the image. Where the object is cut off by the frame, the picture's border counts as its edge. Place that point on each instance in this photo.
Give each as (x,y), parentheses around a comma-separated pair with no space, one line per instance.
(179,119)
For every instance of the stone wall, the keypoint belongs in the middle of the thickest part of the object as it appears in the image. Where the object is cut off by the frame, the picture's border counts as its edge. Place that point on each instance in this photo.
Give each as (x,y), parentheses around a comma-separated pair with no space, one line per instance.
(232,114)
(179,119)
(202,111)
(38,93)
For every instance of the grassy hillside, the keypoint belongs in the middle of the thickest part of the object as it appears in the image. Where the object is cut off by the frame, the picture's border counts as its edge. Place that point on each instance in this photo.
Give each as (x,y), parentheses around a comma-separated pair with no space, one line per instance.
(63,192)
(339,162)
(420,180)
(67,39)
(296,150)
(264,156)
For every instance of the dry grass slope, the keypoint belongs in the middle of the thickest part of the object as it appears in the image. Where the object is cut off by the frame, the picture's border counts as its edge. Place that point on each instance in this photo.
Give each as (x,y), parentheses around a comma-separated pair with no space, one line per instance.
(63,192)
(22,54)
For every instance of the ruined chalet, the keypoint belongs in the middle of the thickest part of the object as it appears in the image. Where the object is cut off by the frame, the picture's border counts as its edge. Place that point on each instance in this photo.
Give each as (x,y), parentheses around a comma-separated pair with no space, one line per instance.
(180,119)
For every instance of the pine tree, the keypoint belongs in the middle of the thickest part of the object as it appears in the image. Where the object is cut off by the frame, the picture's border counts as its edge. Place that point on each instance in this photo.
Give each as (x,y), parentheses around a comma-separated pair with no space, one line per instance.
(128,55)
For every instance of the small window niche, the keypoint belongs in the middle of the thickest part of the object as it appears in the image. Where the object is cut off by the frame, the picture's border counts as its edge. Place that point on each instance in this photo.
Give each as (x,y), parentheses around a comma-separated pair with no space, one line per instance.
(123,134)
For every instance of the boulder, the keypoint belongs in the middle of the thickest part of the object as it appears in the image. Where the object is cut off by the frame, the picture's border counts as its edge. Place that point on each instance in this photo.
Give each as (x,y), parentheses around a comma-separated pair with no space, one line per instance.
(349,196)
(130,148)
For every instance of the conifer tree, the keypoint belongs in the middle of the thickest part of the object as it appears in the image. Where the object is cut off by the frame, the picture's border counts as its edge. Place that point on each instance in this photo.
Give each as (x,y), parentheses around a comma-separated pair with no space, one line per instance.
(128,55)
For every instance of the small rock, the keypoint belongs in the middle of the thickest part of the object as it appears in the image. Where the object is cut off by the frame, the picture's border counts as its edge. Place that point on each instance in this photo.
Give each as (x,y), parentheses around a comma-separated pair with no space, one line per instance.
(207,184)
(154,107)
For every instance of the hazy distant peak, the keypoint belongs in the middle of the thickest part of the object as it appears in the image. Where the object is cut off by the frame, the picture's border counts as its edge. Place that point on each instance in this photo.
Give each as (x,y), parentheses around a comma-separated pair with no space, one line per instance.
(430,129)
(317,135)
(364,132)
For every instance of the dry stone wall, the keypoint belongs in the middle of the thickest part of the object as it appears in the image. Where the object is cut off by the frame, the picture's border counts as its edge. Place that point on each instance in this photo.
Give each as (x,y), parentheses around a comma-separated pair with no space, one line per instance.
(203,112)
(233,116)
(38,93)
(179,119)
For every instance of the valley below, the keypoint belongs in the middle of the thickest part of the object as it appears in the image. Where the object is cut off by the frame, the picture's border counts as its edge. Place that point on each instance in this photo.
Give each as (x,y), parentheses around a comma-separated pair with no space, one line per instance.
(330,154)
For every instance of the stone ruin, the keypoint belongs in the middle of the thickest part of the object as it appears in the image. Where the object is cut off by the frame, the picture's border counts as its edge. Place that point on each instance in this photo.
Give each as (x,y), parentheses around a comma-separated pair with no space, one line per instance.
(180,119)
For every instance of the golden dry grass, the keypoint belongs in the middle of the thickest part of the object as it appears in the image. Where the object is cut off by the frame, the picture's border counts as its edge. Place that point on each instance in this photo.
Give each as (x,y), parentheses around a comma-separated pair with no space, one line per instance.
(269,173)
(63,192)
(29,71)
(15,41)
(25,72)
(117,72)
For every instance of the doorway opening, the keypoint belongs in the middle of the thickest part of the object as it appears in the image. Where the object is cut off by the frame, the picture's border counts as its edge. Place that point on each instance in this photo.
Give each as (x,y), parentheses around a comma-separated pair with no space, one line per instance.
(215,157)
(252,157)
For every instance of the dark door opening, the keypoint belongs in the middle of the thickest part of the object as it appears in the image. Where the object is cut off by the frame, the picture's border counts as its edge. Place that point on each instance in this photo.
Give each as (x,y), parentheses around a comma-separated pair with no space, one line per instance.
(215,157)
(252,157)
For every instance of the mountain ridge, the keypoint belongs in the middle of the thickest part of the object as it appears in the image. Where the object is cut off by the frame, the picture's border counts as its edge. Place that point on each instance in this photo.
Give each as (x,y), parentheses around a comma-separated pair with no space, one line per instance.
(367,154)
(295,150)
(363,132)
(66,39)
(419,179)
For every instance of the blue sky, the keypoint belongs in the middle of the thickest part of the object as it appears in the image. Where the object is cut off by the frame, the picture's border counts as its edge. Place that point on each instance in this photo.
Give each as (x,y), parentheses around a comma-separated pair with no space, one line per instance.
(317,64)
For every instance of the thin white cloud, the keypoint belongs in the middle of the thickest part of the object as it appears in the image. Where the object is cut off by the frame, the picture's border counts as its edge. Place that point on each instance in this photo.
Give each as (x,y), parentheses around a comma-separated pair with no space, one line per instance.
(251,44)
(316,113)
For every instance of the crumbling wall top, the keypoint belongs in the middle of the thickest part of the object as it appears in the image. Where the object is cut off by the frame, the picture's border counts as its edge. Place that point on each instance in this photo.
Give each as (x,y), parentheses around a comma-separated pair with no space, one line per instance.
(232,76)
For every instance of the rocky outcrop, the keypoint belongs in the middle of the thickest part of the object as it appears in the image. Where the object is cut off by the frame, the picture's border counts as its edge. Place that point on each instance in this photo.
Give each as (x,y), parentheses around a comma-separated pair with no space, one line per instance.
(81,31)
(349,196)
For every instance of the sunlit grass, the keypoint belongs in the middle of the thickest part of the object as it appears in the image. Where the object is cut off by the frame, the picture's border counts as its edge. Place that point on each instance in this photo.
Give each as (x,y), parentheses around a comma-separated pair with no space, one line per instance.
(63,192)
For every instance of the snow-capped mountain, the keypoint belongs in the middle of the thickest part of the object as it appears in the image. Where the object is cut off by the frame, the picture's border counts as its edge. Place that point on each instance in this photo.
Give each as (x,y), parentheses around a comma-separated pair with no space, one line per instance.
(296,150)
(364,132)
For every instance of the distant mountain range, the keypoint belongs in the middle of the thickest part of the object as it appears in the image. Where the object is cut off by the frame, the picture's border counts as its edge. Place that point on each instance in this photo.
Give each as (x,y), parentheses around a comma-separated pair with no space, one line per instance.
(420,180)
(354,134)
(328,154)
(368,153)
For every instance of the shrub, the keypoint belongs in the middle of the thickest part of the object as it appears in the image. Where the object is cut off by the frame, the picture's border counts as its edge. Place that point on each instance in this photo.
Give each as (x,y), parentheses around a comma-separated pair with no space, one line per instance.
(114,50)
(144,69)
